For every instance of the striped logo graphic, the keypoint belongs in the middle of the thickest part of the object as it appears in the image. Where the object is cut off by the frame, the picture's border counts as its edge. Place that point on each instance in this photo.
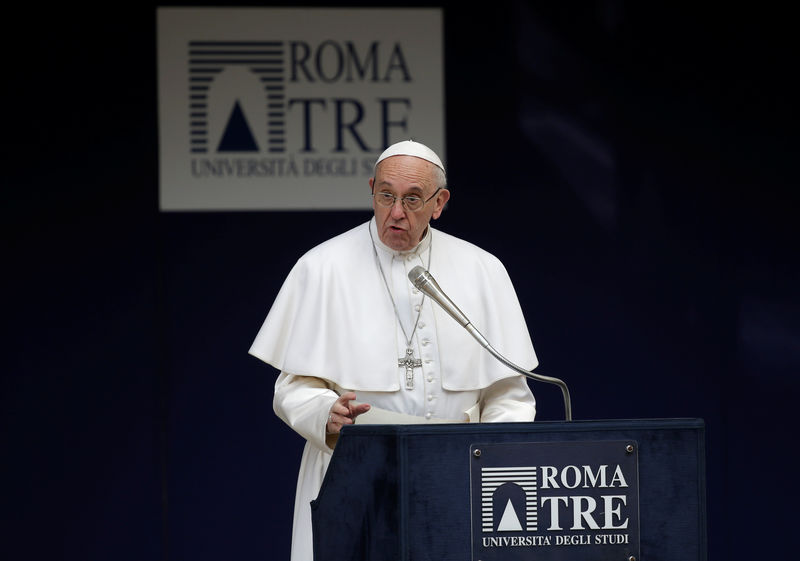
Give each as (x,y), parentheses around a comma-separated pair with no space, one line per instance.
(266,61)
(511,493)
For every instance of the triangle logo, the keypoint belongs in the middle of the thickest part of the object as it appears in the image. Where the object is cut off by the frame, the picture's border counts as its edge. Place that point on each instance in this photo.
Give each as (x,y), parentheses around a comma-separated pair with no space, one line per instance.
(509,522)
(237,136)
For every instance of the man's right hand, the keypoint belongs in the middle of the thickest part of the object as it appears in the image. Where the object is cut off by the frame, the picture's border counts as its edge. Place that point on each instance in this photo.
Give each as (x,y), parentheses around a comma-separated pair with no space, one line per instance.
(343,412)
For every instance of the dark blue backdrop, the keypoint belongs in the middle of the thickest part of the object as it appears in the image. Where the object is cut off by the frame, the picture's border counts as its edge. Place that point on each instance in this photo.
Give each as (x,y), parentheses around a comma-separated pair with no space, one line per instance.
(629,164)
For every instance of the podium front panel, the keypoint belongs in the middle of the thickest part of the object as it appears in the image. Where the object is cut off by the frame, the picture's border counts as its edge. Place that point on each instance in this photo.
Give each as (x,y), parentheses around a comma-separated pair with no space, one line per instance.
(403,492)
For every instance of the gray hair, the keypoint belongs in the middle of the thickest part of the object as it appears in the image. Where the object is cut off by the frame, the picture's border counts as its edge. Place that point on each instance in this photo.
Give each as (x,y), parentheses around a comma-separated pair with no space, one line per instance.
(439,177)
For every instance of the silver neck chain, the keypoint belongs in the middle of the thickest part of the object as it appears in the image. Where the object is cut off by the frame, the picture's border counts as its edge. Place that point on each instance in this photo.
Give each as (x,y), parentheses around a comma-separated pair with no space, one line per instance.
(386,284)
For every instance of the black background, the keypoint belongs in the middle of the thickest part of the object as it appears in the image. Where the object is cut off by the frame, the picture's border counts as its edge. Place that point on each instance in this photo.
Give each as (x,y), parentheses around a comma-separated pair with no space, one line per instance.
(631,163)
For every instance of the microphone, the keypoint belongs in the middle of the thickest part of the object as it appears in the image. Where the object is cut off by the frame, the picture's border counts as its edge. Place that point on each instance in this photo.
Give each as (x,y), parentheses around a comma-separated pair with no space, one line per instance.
(425,282)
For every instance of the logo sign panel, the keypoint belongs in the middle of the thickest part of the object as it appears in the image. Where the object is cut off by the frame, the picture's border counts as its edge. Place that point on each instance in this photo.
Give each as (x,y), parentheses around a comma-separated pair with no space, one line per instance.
(554,501)
(273,108)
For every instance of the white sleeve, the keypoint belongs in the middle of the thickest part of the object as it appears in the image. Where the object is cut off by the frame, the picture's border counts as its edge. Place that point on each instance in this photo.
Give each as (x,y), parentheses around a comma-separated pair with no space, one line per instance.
(508,400)
(303,403)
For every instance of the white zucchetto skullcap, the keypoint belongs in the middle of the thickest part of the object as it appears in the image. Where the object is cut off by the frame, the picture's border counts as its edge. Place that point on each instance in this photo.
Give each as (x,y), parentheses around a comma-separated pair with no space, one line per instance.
(411,148)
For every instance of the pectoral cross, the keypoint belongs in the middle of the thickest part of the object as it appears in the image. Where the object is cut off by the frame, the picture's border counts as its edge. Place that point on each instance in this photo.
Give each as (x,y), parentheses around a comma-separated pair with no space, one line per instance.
(410,363)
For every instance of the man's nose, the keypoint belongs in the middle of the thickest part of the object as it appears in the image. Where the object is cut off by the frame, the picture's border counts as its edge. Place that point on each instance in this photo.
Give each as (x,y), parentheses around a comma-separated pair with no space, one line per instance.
(398,210)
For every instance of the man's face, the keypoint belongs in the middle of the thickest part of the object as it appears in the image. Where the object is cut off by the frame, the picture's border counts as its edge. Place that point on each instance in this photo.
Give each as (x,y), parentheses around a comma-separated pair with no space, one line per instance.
(399,228)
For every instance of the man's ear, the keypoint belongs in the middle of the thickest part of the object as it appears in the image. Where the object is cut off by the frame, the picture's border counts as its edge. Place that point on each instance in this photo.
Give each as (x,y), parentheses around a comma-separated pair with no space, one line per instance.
(441,200)
(371,184)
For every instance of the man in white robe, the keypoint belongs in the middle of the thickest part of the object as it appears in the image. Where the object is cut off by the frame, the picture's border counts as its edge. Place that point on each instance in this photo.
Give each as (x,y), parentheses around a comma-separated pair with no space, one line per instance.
(353,338)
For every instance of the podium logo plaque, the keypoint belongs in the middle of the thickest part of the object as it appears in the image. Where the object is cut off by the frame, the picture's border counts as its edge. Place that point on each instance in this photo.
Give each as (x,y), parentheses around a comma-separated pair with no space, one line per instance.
(555,501)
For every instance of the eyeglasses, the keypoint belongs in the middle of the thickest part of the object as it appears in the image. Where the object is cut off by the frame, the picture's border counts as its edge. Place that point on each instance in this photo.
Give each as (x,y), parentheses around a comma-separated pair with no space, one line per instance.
(409,202)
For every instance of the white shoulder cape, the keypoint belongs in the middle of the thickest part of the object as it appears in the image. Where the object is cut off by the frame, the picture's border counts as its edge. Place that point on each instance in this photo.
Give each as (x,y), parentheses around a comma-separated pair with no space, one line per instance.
(333,318)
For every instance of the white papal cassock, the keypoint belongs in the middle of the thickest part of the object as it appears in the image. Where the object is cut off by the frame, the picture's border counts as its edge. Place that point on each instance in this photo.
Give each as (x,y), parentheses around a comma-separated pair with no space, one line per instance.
(333,328)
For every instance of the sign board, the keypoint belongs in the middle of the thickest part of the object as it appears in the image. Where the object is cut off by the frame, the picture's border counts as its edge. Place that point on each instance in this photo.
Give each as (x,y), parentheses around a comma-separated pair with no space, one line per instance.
(287,109)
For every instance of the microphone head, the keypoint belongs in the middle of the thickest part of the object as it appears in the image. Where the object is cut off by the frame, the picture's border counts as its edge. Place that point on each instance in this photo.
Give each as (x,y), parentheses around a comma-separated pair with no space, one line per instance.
(419,277)
(425,282)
